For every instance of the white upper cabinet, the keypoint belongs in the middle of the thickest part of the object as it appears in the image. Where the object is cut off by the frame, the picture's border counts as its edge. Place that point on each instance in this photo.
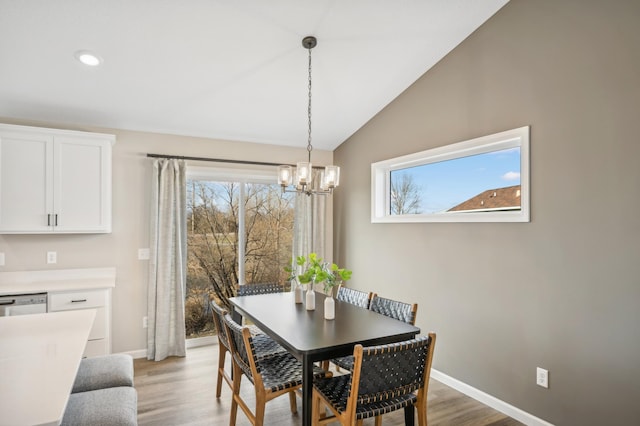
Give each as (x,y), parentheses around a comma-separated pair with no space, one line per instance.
(54,181)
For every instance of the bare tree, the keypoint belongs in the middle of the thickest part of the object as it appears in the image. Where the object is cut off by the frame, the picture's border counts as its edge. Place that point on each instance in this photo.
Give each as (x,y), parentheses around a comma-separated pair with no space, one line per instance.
(213,242)
(405,195)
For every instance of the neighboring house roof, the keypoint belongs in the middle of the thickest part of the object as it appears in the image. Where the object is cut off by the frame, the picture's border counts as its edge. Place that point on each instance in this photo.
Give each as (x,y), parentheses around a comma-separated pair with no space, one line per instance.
(492,199)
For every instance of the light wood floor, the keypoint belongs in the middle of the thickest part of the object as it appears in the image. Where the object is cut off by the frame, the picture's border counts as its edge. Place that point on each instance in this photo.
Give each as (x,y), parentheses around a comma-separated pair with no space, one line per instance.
(181,391)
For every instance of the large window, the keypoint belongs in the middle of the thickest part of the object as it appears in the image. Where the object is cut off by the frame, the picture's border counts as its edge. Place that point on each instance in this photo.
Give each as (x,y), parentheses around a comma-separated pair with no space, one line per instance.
(479,180)
(239,231)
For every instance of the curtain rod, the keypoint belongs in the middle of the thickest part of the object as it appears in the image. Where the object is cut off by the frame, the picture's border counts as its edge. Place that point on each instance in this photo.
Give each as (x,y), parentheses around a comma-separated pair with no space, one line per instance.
(221,160)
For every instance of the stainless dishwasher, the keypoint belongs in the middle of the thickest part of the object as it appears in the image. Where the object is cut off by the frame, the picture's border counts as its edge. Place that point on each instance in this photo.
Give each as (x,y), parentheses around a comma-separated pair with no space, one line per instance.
(23,304)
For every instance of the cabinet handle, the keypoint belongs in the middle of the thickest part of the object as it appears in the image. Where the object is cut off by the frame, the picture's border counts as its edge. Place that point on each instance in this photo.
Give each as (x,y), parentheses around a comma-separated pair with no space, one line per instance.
(48,220)
(78,300)
(56,224)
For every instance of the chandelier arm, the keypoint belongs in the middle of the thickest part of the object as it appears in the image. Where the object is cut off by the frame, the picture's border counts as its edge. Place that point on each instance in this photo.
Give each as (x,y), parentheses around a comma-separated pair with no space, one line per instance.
(308,191)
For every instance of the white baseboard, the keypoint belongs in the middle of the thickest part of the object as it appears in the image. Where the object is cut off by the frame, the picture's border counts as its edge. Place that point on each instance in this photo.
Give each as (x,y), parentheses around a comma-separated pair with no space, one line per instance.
(201,341)
(491,401)
(140,353)
(191,343)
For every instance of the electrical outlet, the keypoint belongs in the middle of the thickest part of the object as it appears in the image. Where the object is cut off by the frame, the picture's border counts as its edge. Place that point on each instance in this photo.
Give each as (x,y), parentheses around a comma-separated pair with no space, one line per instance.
(145,323)
(52,257)
(143,254)
(542,377)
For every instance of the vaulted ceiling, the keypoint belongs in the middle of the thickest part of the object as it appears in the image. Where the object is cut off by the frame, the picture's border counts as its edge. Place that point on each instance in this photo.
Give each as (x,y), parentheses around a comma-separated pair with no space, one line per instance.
(219,69)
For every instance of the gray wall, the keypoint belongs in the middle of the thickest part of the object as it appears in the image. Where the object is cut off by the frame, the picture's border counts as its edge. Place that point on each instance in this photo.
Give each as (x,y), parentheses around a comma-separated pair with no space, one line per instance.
(563,291)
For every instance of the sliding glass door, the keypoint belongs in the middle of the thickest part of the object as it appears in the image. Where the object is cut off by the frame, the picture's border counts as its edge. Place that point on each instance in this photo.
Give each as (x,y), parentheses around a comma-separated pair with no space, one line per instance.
(239,231)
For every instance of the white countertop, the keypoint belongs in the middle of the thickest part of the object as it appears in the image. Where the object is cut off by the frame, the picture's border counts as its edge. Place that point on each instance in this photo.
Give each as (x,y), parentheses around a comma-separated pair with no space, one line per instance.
(39,359)
(25,282)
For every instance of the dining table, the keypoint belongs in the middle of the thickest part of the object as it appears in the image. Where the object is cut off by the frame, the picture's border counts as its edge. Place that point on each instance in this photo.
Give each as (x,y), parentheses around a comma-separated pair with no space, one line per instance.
(311,338)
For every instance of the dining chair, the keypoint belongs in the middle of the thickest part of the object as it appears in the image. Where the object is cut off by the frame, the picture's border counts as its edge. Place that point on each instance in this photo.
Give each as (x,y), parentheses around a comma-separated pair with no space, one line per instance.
(355,297)
(401,311)
(385,378)
(392,308)
(265,346)
(263,288)
(272,376)
(223,347)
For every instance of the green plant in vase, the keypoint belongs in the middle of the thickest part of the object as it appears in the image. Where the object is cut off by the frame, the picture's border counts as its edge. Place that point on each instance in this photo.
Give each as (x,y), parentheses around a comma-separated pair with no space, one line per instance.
(314,270)
(334,276)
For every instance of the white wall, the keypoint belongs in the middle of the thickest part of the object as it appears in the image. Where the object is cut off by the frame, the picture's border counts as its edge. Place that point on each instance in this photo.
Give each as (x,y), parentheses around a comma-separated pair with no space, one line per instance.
(131,186)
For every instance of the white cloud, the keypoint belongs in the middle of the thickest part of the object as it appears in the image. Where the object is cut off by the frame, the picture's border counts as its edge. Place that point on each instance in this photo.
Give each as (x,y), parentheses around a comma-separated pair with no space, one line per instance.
(511,176)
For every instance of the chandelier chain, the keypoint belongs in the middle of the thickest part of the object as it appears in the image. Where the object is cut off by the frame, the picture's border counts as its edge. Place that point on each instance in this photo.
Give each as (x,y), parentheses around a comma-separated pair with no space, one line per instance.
(303,173)
(309,147)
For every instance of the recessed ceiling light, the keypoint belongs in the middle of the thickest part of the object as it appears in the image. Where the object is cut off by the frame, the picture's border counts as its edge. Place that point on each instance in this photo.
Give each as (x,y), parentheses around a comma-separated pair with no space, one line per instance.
(88,58)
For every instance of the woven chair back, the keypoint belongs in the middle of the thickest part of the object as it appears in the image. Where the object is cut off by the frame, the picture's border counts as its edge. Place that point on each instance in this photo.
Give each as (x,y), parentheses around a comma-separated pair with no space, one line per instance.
(218,320)
(392,308)
(239,350)
(354,297)
(253,289)
(390,371)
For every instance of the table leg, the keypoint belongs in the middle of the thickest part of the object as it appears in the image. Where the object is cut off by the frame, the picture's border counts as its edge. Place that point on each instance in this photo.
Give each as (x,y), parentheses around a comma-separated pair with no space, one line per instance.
(307,390)
(236,316)
(409,413)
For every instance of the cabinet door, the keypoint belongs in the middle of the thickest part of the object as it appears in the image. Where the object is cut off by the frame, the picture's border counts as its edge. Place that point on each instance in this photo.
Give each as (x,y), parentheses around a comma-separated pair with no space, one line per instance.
(26,182)
(82,192)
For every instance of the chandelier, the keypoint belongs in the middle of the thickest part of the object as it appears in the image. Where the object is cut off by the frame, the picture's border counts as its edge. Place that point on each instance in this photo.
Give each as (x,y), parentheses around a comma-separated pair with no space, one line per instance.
(300,179)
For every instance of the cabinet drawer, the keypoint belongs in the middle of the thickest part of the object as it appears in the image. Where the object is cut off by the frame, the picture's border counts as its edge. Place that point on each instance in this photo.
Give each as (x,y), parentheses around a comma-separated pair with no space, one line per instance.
(77,300)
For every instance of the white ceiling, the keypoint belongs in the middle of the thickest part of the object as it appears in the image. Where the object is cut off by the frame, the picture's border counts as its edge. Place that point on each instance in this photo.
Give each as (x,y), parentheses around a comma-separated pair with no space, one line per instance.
(232,69)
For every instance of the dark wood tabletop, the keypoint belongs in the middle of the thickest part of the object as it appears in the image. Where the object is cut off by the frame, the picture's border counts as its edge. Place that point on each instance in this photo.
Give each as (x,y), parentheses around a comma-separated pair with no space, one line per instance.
(310,338)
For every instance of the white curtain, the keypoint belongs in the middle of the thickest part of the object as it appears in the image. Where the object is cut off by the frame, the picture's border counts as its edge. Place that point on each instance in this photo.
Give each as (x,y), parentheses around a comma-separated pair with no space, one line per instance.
(309,226)
(167,266)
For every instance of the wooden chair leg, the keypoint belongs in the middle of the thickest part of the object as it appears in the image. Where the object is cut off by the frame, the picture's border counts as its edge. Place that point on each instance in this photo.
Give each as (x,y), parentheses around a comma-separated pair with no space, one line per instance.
(237,377)
(378,420)
(315,410)
(292,402)
(221,357)
(260,406)
(422,418)
(421,407)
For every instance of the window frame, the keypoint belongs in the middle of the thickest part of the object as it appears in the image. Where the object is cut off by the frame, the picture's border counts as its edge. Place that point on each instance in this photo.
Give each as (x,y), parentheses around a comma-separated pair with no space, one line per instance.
(381,179)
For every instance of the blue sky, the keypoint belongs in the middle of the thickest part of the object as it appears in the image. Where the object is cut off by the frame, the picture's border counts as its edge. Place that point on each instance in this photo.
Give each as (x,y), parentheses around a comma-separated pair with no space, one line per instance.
(448,183)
